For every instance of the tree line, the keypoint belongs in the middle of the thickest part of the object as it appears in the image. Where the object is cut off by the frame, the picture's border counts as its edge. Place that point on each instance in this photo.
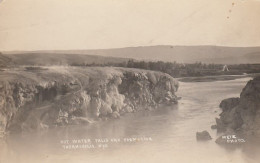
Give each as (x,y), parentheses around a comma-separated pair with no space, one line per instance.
(180,69)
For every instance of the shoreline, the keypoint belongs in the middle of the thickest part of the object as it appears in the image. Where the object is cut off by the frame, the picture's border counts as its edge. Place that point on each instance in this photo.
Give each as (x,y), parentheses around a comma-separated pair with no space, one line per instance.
(215,78)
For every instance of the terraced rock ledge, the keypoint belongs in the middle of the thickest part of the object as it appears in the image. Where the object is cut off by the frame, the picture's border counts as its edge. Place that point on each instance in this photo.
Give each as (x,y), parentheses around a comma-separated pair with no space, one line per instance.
(33,98)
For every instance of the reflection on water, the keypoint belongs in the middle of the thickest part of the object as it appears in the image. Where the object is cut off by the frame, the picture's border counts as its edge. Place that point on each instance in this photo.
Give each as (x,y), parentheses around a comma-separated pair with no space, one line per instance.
(172,130)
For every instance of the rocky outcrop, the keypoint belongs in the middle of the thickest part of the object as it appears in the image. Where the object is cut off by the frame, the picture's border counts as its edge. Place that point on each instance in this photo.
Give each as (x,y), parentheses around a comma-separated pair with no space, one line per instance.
(242,115)
(228,104)
(39,98)
(203,136)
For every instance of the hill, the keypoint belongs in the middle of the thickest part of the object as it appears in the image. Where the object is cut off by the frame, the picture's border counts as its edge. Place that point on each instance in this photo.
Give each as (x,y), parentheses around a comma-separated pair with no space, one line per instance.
(4,60)
(180,54)
(186,54)
(47,59)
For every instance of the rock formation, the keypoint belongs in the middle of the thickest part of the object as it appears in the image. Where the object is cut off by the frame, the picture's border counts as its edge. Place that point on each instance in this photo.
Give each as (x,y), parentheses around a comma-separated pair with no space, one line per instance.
(37,98)
(242,115)
(203,136)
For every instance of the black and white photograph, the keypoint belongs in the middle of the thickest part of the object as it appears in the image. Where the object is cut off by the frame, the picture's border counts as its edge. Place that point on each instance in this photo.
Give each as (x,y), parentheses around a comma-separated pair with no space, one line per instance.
(129,81)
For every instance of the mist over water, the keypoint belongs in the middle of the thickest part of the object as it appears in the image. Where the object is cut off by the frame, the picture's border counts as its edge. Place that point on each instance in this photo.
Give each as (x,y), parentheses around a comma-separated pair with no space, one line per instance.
(172,130)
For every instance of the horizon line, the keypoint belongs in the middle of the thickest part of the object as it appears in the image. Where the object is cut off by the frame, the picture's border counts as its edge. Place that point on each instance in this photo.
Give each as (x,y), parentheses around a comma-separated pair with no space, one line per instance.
(128,47)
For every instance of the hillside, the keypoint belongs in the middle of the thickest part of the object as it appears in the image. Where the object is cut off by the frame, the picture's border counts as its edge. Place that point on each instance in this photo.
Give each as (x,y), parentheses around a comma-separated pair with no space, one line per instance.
(181,54)
(4,61)
(187,54)
(47,59)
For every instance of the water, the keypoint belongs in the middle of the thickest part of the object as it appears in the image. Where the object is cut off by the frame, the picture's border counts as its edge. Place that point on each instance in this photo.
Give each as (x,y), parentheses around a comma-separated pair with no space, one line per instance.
(172,130)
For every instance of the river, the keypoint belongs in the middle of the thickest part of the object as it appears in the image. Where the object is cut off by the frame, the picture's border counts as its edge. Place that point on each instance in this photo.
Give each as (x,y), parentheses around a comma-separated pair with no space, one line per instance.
(165,135)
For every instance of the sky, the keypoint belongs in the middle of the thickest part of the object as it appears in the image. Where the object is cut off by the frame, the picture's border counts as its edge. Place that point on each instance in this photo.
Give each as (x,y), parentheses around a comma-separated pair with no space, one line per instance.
(101,24)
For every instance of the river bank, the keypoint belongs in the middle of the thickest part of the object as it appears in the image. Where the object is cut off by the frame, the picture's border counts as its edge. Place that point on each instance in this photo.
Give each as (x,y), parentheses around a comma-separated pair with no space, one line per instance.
(215,78)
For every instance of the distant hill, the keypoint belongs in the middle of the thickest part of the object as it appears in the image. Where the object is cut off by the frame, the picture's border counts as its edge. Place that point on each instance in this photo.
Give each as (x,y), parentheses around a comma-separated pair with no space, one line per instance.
(181,54)
(186,54)
(5,61)
(46,59)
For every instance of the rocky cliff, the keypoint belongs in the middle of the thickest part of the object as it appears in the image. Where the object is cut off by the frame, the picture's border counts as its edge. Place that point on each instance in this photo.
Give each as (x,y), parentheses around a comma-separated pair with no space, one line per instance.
(242,115)
(33,98)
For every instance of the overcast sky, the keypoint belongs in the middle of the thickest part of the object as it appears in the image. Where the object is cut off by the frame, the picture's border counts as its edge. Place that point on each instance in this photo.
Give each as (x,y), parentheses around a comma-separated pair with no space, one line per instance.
(95,24)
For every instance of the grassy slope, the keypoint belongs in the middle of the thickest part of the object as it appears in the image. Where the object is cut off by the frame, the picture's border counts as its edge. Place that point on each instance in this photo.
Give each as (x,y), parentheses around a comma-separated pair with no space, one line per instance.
(181,54)
(57,59)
